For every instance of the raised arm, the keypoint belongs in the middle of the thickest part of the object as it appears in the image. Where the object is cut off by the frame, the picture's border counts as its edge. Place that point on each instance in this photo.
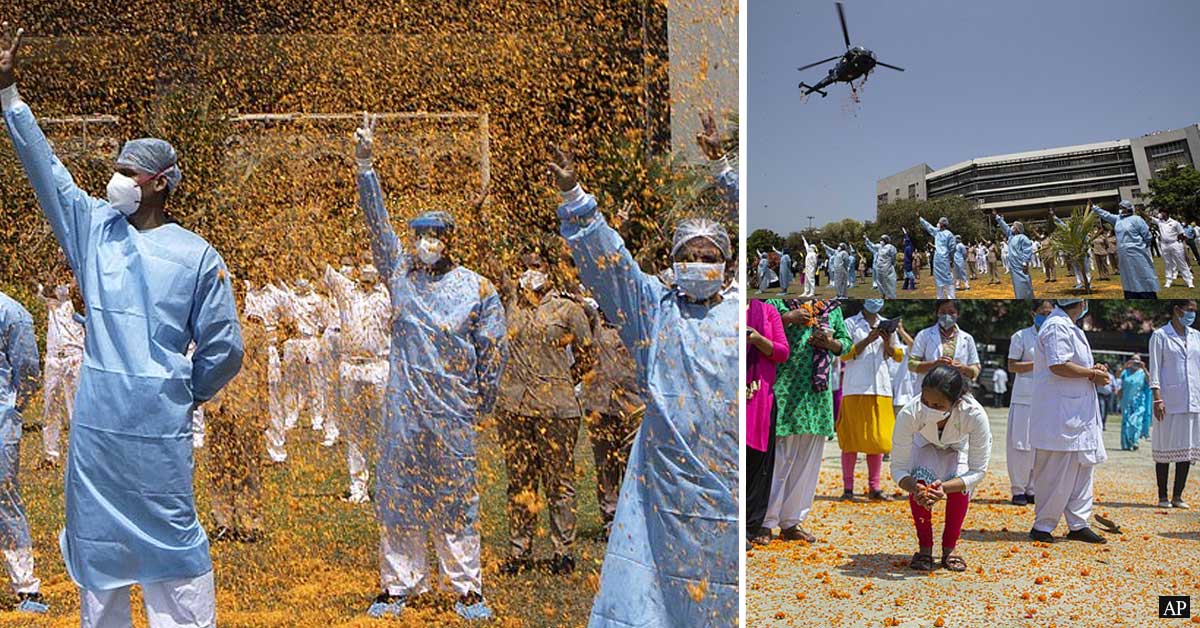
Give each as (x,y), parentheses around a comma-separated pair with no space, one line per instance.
(1108,217)
(871,246)
(805,240)
(67,207)
(215,329)
(930,229)
(628,296)
(1004,226)
(385,246)
(829,252)
(491,346)
(709,140)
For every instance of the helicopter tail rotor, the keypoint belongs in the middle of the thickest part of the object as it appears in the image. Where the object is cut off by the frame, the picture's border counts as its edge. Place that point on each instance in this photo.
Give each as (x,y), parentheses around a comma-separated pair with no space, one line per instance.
(842,17)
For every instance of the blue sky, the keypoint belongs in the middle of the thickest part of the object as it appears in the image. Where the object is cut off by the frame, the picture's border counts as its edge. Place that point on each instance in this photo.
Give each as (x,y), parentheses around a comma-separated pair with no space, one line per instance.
(983,78)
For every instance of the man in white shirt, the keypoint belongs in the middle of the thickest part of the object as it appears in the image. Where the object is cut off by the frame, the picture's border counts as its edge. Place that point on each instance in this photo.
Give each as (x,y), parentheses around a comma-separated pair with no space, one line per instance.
(1018,453)
(1174,255)
(1066,434)
(60,377)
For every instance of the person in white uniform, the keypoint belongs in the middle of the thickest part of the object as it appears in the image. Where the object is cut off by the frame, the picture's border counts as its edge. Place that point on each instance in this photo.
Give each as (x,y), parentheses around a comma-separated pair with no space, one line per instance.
(1018,452)
(1175,384)
(1065,433)
(941,447)
(265,304)
(60,377)
(1174,253)
(944,343)
(903,381)
(365,308)
(811,259)
(302,355)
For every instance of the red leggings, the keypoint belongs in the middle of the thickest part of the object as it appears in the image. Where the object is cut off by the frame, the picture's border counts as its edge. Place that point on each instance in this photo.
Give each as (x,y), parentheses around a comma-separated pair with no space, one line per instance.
(956,513)
(874,465)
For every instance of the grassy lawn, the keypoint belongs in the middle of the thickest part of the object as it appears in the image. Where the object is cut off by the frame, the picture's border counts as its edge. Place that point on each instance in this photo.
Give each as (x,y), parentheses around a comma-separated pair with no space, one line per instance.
(318,566)
(1064,287)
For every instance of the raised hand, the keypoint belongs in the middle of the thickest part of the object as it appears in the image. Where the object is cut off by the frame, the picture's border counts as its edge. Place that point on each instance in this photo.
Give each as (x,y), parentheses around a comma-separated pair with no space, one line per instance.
(365,137)
(9,46)
(709,139)
(563,167)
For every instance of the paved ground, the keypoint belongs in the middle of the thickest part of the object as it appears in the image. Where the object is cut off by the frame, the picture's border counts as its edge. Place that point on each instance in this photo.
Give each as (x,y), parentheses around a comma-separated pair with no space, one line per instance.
(856,574)
(1064,287)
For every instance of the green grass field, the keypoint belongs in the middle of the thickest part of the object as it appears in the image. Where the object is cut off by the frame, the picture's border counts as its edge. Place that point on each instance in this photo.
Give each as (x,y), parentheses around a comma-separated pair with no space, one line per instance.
(318,565)
(1064,287)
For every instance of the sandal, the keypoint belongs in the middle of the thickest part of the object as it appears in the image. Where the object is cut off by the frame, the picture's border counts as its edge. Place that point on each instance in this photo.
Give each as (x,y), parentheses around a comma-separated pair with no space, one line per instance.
(922,562)
(796,533)
(954,563)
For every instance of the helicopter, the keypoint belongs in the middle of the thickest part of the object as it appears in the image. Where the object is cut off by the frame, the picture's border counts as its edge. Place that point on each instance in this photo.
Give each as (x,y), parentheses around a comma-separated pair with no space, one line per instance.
(856,62)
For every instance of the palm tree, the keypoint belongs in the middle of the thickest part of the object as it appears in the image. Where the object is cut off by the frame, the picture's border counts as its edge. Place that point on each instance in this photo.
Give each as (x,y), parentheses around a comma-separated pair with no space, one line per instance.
(1073,238)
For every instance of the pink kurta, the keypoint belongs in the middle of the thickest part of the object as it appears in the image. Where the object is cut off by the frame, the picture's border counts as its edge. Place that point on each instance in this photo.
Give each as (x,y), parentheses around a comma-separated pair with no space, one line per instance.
(760,372)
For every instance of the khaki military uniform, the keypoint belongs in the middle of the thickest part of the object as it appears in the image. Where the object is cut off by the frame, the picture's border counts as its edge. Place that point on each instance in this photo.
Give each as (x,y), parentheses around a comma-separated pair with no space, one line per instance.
(613,408)
(1100,252)
(538,417)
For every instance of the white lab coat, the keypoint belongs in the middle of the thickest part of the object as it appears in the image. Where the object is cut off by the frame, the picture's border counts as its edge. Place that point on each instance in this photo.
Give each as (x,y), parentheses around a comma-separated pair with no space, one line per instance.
(902,381)
(962,449)
(868,373)
(1066,410)
(1021,348)
(1175,368)
(1000,381)
(927,346)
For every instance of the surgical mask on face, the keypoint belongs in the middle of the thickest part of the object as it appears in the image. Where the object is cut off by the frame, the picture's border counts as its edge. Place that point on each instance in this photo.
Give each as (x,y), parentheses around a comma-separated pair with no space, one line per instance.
(124,194)
(533,280)
(1188,318)
(873,305)
(62,292)
(429,250)
(1038,319)
(946,321)
(699,280)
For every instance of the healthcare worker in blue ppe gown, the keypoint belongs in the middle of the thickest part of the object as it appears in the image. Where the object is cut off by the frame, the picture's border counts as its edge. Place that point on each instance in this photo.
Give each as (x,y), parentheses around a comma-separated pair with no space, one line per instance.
(884,265)
(944,244)
(448,347)
(1020,256)
(150,288)
(1138,278)
(19,373)
(672,557)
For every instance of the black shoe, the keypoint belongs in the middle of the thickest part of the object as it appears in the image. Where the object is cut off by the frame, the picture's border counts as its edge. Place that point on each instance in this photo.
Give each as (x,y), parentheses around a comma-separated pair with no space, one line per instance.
(562,565)
(1044,537)
(514,566)
(879,496)
(847,496)
(1020,500)
(1029,498)
(1086,535)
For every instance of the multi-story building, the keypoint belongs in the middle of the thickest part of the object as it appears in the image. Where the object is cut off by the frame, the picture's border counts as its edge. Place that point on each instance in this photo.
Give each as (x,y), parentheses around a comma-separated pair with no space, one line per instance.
(1028,185)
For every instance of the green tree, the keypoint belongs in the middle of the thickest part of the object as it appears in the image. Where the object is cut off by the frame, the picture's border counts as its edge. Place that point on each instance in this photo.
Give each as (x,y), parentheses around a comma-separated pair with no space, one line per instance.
(966,220)
(1177,190)
(1074,239)
(761,240)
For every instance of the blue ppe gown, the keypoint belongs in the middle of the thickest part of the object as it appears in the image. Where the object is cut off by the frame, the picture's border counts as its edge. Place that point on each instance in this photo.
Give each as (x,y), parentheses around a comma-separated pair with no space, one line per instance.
(785,271)
(672,557)
(943,247)
(1020,256)
(448,348)
(19,375)
(1133,251)
(130,503)
(839,270)
(884,268)
(960,262)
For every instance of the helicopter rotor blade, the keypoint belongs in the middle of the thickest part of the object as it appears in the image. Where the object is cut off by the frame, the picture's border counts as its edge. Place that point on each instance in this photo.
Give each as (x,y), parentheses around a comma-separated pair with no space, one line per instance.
(842,18)
(819,63)
(889,66)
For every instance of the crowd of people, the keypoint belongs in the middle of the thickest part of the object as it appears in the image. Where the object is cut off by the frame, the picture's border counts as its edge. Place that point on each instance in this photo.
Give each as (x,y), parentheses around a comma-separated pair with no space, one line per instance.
(400,354)
(814,374)
(1124,245)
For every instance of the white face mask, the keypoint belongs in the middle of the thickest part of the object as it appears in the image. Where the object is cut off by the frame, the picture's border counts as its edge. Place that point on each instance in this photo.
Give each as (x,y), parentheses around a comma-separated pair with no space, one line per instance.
(533,280)
(124,194)
(699,280)
(62,292)
(429,250)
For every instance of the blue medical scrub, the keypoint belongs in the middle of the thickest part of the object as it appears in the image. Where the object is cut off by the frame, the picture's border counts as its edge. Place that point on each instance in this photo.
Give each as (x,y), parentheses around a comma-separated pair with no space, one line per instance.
(130,504)
(1133,251)
(1020,255)
(447,354)
(672,557)
(19,375)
